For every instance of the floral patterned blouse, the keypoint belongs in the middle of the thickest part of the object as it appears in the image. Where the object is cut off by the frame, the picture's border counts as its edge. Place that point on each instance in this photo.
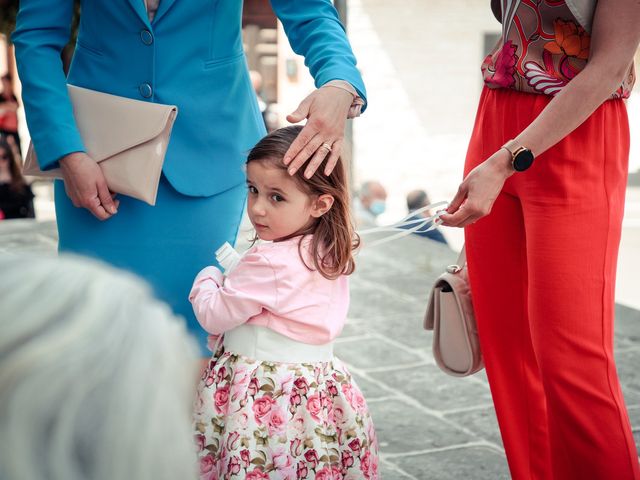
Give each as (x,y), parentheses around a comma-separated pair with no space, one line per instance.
(542,47)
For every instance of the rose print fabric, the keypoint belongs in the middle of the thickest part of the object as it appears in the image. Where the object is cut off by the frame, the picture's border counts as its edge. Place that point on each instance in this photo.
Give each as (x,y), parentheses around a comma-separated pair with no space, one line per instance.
(541,49)
(286,421)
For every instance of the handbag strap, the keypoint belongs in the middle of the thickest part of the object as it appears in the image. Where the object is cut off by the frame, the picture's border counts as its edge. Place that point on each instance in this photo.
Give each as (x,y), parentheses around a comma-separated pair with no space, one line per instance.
(462,258)
(410,224)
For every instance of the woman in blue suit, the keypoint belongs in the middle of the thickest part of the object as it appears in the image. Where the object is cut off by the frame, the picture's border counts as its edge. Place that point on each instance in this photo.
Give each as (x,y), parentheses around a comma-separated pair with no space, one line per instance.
(187,54)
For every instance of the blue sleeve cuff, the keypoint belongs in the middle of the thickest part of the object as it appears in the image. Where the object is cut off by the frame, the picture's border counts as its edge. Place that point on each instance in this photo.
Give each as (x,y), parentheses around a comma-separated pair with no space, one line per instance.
(51,149)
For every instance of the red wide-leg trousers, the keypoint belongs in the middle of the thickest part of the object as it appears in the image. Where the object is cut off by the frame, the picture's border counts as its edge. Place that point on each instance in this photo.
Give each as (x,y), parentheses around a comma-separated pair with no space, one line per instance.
(542,267)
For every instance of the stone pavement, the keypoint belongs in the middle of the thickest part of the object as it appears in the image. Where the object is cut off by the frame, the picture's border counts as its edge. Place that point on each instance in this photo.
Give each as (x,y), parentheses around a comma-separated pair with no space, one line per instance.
(430,426)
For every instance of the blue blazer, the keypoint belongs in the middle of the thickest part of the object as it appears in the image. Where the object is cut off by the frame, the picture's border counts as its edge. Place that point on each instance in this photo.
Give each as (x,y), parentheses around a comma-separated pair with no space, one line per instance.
(191,56)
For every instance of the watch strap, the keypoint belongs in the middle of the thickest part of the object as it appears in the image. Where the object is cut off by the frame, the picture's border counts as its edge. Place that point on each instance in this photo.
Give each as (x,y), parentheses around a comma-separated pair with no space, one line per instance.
(514,148)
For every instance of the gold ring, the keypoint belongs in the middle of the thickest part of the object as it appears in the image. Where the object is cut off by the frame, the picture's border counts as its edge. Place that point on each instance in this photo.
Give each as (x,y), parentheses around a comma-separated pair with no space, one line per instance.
(327,146)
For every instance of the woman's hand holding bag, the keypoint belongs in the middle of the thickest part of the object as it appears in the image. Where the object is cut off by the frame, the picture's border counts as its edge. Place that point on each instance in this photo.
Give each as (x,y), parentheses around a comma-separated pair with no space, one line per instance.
(86,186)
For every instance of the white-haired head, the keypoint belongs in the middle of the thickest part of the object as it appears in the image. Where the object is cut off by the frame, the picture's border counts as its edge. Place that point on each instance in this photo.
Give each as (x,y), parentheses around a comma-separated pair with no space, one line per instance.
(96,377)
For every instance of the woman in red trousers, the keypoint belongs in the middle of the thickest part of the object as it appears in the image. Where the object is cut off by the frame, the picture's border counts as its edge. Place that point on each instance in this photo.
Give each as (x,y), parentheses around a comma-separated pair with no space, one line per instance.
(542,205)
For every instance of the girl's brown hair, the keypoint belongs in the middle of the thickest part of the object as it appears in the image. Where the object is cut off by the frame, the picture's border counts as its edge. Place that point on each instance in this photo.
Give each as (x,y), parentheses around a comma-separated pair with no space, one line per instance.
(334,236)
(17,180)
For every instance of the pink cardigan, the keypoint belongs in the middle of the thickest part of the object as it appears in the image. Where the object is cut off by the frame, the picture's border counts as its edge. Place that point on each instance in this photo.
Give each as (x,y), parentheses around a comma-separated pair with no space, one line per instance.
(271,287)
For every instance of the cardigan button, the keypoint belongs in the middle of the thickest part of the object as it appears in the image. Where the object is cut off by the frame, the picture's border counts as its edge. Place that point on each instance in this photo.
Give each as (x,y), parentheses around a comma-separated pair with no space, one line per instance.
(145,90)
(146,36)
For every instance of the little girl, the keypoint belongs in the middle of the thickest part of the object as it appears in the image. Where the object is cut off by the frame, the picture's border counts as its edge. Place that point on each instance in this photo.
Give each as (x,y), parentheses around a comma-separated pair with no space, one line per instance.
(273,402)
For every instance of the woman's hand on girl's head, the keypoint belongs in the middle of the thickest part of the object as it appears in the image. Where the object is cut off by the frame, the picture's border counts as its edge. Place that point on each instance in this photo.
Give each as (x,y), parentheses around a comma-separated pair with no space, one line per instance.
(478,191)
(86,186)
(321,138)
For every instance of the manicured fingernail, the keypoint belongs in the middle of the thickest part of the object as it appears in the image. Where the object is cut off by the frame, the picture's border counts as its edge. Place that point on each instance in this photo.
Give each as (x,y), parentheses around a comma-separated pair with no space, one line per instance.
(286,160)
(292,171)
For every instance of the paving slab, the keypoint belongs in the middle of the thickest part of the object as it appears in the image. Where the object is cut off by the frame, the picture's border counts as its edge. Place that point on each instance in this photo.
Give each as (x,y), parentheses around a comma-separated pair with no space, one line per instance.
(436,391)
(473,463)
(627,326)
(628,362)
(481,421)
(402,427)
(367,352)
(28,237)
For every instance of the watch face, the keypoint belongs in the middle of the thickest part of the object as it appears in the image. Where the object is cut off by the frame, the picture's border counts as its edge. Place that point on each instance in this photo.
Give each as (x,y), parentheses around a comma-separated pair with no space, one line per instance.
(523,160)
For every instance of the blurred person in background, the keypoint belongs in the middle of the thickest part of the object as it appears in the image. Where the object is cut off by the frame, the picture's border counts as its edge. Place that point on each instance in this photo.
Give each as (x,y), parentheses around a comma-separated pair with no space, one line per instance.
(369,203)
(16,197)
(96,376)
(417,199)
(269,116)
(542,203)
(9,111)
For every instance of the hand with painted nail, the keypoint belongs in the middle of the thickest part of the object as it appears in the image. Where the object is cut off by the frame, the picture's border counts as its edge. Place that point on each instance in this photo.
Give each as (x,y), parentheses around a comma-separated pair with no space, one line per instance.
(86,186)
(321,139)
(478,191)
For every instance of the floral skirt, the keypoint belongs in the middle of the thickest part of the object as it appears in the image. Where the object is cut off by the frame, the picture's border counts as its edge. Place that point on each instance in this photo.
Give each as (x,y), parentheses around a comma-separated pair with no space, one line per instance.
(264,420)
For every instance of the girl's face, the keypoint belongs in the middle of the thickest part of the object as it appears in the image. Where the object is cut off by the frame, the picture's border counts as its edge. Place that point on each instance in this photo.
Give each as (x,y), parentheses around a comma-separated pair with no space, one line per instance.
(277,207)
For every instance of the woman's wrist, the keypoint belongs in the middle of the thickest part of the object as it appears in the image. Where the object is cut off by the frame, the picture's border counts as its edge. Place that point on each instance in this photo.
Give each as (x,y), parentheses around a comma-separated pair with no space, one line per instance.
(356,102)
(72,159)
(501,161)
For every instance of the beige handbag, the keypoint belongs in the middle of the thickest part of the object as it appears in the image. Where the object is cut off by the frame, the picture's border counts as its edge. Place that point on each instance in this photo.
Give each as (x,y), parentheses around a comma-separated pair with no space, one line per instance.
(127,137)
(456,347)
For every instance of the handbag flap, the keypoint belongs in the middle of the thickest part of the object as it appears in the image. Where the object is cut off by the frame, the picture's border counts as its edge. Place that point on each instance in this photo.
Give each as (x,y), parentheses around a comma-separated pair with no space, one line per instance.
(451,345)
(109,124)
(429,316)
(442,282)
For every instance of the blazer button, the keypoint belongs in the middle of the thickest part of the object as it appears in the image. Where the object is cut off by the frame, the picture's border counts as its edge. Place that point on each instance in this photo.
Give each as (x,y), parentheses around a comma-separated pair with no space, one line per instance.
(145,90)
(146,36)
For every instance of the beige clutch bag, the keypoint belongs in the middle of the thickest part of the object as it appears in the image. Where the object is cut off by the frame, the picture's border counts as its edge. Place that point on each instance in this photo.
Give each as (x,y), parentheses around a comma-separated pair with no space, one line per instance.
(456,347)
(128,138)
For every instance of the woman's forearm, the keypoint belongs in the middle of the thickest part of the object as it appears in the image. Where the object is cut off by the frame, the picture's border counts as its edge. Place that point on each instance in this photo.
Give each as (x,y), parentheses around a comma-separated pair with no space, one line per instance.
(569,109)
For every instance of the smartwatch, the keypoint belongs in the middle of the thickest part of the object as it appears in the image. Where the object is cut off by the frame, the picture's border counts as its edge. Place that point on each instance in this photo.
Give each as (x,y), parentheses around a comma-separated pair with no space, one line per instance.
(521,157)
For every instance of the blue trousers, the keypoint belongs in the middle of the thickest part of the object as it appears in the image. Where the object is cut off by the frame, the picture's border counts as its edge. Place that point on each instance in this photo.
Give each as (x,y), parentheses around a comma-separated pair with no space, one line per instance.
(167,244)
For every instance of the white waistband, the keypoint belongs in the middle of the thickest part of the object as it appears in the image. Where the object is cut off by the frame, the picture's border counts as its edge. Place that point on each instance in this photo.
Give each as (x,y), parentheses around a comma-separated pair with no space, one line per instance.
(261,343)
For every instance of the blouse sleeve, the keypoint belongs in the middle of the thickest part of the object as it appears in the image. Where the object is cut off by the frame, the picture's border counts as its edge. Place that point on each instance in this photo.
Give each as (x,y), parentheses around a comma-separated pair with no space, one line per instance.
(223,304)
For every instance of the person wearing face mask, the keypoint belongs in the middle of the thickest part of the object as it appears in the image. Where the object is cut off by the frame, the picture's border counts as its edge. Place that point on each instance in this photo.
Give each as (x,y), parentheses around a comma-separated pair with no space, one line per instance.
(369,203)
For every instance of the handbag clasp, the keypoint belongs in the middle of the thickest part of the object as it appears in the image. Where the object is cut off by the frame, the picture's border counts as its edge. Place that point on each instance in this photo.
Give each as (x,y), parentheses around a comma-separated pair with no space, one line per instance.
(453,268)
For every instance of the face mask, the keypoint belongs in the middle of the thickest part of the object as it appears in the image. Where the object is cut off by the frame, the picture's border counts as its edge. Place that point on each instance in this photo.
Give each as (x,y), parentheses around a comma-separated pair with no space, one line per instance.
(377,207)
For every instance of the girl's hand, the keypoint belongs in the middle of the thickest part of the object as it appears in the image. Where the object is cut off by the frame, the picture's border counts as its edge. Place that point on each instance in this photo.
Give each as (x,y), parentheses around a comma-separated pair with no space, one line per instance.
(326,110)
(479,190)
